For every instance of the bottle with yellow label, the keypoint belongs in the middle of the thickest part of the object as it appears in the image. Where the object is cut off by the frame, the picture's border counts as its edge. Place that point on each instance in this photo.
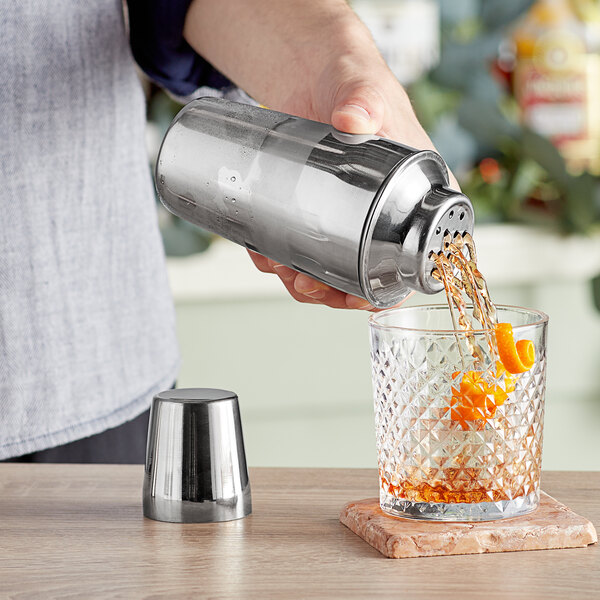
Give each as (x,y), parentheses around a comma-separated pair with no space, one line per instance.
(557,77)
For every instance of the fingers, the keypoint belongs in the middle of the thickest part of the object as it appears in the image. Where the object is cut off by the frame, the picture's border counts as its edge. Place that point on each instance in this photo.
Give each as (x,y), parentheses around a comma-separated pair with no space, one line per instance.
(358,109)
(356,303)
(316,291)
(261,262)
(284,273)
(299,297)
(306,289)
(311,287)
(319,292)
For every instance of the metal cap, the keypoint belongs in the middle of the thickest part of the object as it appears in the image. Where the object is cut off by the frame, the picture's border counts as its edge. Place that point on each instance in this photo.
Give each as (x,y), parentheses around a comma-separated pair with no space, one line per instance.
(196,468)
(442,211)
(412,212)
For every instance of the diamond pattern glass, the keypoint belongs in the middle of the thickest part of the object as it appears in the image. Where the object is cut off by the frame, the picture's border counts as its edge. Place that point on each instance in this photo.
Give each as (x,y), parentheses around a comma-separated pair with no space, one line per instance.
(431,465)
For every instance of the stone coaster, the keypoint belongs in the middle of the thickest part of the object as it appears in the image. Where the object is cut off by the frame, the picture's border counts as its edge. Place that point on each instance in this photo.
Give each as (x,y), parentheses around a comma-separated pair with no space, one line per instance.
(552,525)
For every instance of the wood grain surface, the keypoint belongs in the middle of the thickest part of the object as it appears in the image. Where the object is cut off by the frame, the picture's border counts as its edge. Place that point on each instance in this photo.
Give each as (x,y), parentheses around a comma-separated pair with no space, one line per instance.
(77,531)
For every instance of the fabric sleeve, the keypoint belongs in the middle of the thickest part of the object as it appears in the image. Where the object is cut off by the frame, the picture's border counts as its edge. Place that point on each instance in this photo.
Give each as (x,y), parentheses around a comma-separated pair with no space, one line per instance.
(159,48)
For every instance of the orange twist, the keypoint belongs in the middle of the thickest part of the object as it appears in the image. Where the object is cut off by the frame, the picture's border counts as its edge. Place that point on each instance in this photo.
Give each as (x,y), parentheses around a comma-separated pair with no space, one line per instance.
(516,358)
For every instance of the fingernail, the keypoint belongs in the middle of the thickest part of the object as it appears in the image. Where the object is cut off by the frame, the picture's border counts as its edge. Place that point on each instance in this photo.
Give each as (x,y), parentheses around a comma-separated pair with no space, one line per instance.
(315,294)
(284,272)
(357,304)
(356,111)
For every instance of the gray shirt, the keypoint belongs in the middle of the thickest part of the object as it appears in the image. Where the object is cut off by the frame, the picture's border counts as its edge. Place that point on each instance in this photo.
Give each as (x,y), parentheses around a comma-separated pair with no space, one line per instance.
(86,320)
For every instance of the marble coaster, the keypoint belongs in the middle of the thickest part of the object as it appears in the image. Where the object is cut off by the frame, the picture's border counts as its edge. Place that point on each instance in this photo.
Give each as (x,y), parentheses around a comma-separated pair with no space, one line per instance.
(552,525)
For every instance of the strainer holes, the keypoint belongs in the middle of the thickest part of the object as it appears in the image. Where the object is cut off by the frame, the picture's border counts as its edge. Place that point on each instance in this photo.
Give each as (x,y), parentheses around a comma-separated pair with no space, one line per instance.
(461,216)
(438,231)
(450,214)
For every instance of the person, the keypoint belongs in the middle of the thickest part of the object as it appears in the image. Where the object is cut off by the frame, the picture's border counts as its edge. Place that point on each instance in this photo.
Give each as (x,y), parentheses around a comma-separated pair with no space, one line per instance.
(87,331)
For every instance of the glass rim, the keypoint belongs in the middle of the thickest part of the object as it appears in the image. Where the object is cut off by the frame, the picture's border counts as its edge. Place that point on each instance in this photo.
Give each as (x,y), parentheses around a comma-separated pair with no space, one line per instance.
(542,318)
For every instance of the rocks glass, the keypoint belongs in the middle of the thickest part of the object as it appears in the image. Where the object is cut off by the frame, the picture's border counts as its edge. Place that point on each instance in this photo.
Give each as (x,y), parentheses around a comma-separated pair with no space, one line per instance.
(433,463)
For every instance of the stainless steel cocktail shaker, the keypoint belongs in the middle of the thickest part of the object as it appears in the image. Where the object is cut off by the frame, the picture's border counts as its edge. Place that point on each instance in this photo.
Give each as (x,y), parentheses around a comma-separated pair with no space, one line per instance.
(359,212)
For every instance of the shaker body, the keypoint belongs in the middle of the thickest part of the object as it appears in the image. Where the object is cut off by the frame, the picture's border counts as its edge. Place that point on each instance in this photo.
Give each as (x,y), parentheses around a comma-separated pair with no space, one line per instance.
(332,205)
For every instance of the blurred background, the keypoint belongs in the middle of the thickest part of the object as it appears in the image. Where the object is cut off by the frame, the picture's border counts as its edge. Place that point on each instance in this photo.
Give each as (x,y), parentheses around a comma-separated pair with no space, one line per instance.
(509,91)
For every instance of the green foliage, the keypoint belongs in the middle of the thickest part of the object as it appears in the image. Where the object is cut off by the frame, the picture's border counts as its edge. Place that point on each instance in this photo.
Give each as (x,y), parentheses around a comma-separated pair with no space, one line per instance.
(432,101)
(471,117)
(500,13)
(596,292)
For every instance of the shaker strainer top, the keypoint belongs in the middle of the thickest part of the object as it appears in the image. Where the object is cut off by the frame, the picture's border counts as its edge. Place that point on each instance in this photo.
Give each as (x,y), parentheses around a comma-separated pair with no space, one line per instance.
(401,233)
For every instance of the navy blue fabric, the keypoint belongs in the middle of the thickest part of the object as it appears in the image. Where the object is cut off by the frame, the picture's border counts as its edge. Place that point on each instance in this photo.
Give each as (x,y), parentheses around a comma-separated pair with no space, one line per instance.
(158,46)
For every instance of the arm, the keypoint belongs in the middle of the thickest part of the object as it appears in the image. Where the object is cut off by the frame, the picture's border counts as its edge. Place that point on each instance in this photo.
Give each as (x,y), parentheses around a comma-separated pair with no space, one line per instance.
(310,58)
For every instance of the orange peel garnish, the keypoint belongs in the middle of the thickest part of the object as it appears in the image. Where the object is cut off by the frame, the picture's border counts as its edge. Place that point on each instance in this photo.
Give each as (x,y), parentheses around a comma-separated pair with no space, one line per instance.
(475,396)
(516,358)
(475,399)
(510,381)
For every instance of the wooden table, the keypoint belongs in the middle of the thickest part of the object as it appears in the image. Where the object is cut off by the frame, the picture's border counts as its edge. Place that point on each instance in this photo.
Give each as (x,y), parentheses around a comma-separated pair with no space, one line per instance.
(77,531)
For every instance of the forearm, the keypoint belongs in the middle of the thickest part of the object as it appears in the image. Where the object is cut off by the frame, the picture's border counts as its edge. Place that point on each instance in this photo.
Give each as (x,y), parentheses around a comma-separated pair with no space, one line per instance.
(279,50)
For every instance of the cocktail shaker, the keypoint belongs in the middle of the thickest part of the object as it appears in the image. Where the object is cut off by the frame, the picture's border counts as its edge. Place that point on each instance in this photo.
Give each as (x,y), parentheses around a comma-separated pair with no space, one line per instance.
(359,212)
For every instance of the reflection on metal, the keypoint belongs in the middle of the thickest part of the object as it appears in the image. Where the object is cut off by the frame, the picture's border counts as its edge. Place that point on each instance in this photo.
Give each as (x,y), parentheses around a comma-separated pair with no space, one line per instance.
(360,213)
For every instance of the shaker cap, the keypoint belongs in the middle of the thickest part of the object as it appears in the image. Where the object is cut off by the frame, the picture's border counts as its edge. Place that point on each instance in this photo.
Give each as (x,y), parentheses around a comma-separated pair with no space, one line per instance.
(196,468)
(412,212)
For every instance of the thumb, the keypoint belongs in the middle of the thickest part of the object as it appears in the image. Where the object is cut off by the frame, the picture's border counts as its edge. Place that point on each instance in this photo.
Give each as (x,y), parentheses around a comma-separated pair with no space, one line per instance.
(358,109)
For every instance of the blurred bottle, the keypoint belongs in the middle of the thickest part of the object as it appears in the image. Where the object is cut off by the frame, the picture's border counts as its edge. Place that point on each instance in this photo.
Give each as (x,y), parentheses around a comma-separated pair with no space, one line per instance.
(556,77)
(406,32)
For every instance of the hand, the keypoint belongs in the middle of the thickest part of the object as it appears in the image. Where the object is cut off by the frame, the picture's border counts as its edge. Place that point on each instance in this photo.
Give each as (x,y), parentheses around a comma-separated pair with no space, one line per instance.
(354,99)
(314,60)
(306,289)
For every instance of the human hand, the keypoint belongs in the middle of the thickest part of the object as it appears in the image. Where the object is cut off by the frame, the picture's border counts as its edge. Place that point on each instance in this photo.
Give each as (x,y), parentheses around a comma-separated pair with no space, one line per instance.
(355,96)
(306,289)
(311,59)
